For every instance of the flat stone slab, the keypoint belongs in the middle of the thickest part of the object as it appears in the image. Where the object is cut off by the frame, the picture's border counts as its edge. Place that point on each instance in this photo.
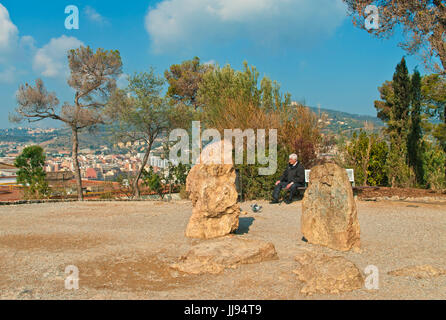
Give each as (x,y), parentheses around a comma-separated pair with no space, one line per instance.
(325,274)
(216,255)
(418,272)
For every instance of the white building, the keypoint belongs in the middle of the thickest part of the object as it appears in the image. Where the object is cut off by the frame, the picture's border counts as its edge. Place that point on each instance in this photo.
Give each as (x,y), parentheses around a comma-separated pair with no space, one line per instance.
(8,174)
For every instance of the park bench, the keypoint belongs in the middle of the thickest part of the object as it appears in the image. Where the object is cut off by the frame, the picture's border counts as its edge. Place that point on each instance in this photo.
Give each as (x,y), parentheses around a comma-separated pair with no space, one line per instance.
(350,173)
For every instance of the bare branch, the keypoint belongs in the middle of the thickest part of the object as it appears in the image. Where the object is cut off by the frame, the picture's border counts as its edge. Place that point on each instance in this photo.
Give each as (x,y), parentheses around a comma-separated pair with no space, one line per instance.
(423,23)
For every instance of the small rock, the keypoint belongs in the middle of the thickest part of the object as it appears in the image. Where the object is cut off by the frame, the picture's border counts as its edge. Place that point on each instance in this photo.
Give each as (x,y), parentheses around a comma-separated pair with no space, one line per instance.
(419,272)
(323,274)
(25,292)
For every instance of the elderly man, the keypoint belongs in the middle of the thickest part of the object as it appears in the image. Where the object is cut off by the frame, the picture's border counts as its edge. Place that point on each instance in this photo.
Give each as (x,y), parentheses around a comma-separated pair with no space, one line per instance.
(292,178)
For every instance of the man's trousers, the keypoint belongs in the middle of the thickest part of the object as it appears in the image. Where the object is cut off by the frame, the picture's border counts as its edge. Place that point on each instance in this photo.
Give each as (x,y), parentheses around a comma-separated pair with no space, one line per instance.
(283,185)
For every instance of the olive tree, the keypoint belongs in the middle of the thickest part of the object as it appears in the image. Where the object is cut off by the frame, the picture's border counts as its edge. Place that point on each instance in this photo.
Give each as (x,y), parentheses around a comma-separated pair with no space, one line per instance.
(140,113)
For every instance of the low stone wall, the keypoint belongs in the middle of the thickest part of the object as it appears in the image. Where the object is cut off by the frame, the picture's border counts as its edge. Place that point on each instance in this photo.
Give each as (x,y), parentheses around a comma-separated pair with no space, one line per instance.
(408,199)
(175,196)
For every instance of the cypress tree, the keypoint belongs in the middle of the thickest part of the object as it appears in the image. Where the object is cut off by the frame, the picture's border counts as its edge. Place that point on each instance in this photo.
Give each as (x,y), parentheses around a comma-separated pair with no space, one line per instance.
(402,89)
(415,132)
(398,125)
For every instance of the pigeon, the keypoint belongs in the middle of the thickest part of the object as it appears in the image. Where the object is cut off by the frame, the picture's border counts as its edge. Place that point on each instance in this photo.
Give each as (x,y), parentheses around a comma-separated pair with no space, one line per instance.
(256,208)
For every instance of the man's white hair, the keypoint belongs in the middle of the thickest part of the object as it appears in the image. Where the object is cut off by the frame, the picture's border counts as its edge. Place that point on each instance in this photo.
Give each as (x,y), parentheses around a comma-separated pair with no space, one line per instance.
(293,156)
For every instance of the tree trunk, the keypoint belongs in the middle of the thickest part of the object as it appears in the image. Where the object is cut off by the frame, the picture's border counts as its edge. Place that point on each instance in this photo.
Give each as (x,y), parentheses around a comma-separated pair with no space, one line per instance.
(444,142)
(140,171)
(74,156)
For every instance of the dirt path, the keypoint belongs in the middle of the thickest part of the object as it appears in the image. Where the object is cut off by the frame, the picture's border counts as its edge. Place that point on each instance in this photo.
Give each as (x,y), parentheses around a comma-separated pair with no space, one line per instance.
(123,250)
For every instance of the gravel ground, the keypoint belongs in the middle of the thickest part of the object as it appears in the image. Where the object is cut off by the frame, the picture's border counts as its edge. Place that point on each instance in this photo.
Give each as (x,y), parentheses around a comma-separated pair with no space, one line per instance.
(123,250)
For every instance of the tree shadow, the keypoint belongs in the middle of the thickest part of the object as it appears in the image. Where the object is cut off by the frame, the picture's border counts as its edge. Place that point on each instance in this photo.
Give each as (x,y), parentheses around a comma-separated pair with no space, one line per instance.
(244,224)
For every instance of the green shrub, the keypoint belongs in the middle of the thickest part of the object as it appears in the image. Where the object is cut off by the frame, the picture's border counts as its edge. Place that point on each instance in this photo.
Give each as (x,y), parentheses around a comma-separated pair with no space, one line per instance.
(31,174)
(367,154)
(433,162)
(153,181)
(255,186)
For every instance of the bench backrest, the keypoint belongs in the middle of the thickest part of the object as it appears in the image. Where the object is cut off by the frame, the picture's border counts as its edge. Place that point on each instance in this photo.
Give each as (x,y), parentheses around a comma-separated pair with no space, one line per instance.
(350,173)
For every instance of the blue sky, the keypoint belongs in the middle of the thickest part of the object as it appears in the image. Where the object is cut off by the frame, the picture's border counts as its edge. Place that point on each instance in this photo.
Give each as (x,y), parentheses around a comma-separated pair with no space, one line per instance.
(310,47)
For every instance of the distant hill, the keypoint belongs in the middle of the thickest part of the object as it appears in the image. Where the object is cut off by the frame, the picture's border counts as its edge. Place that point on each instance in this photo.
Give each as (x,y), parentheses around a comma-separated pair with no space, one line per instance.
(92,140)
(336,122)
(59,138)
(339,121)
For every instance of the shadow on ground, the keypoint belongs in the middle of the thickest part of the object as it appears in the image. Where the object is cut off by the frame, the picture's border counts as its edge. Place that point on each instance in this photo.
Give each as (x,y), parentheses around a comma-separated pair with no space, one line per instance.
(244,225)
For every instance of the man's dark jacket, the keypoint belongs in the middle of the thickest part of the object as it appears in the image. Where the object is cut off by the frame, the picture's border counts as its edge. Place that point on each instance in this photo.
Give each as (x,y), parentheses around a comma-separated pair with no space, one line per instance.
(294,174)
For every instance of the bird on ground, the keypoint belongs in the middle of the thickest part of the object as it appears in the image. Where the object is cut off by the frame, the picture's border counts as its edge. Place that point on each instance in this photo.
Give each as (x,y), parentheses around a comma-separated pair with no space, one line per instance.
(256,208)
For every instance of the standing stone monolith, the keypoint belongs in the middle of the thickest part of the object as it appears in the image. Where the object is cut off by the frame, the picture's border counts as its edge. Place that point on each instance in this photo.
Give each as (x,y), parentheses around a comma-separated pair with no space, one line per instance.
(329,213)
(212,189)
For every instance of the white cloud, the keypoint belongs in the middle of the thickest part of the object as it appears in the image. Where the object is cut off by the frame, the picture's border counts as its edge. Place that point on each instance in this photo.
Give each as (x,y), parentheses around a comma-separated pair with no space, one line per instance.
(8,75)
(210,62)
(27,43)
(94,16)
(174,24)
(19,52)
(14,50)
(9,35)
(51,60)
(122,81)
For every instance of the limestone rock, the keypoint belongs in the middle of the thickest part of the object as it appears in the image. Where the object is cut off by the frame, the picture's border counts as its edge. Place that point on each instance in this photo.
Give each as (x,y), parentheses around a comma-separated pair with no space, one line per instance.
(214,198)
(329,213)
(216,255)
(419,272)
(323,274)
